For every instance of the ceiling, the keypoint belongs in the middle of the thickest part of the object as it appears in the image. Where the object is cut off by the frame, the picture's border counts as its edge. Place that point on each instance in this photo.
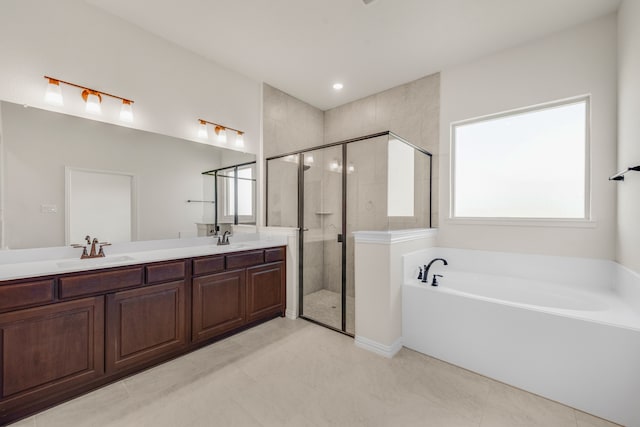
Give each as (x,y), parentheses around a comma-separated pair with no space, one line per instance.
(304,46)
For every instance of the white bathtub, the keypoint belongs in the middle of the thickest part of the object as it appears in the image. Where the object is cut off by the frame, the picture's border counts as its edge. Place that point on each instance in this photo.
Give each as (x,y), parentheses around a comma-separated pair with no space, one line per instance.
(576,343)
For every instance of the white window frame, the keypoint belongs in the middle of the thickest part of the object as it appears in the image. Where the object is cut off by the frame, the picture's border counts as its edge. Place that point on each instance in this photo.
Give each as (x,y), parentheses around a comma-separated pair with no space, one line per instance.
(586,222)
(225,216)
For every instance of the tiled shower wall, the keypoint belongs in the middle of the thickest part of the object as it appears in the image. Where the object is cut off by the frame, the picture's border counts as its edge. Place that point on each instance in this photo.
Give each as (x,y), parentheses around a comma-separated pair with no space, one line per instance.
(288,123)
(412,111)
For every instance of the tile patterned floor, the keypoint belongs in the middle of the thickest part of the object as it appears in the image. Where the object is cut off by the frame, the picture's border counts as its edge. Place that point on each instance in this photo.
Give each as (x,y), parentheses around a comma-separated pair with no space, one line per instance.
(325,307)
(294,373)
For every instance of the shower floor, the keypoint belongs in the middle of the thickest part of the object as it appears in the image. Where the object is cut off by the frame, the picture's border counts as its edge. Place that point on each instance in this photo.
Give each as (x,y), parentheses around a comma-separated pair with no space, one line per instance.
(325,307)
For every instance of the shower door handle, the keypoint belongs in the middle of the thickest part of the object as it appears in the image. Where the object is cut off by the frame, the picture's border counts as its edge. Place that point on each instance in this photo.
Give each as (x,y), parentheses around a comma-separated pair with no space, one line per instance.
(339,238)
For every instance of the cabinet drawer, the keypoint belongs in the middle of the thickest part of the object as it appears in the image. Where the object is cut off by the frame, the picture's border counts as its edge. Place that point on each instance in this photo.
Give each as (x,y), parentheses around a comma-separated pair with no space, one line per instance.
(245,259)
(275,254)
(165,272)
(214,264)
(87,284)
(26,294)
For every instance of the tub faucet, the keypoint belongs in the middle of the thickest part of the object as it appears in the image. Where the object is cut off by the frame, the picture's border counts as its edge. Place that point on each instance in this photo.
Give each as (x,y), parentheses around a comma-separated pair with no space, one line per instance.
(427,267)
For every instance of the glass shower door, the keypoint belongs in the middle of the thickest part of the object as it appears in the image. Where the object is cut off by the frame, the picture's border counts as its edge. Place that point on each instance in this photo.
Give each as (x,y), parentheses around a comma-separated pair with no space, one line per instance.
(322,239)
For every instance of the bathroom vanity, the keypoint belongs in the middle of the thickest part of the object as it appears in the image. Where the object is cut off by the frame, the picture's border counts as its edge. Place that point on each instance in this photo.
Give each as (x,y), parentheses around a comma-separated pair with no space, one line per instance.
(64,334)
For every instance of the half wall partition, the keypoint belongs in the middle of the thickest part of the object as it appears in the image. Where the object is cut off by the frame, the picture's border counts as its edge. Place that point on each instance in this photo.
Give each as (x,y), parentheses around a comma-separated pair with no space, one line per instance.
(376,182)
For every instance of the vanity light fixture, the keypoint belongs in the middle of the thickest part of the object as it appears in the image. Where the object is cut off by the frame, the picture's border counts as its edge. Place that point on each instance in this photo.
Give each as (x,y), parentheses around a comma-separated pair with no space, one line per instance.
(53,95)
(202,130)
(92,97)
(221,133)
(240,139)
(92,100)
(126,111)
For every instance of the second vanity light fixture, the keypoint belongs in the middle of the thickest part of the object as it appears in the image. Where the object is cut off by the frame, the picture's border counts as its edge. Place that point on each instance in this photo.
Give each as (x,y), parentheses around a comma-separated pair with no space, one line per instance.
(92,98)
(221,133)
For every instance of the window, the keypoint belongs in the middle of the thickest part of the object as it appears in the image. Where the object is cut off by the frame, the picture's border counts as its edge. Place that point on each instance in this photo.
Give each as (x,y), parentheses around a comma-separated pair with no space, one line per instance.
(245,194)
(529,164)
(400,177)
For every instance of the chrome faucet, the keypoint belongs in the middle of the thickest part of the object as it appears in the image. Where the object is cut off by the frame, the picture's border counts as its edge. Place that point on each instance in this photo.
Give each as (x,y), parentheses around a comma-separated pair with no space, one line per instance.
(93,253)
(224,239)
(426,271)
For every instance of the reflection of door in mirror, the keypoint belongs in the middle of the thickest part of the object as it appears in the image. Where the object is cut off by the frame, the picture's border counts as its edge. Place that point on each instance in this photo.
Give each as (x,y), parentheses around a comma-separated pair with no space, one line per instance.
(100,204)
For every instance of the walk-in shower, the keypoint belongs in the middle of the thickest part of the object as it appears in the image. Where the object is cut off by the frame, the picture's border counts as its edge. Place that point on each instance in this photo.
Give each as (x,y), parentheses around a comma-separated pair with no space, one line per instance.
(375,182)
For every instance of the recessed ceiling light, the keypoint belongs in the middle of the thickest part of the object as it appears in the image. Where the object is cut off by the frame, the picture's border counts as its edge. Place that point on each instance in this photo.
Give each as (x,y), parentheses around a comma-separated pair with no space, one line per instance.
(338,86)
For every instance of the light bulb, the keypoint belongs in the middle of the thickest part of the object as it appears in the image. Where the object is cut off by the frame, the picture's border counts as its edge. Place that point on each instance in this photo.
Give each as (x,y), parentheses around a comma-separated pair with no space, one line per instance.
(308,159)
(202,131)
(222,134)
(240,140)
(338,86)
(53,95)
(333,165)
(92,100)
(126,111)
(351,168)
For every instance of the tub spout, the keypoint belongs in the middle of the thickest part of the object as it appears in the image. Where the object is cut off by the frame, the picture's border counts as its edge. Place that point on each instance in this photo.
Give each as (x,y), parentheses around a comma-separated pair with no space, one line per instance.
(427,267)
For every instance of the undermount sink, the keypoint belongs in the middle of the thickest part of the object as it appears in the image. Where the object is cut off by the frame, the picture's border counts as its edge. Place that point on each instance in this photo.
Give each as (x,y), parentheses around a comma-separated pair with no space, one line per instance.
(238,245)
(94,262)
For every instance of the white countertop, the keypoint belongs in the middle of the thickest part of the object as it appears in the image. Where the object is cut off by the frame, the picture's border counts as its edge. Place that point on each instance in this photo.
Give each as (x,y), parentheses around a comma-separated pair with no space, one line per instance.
(151,252)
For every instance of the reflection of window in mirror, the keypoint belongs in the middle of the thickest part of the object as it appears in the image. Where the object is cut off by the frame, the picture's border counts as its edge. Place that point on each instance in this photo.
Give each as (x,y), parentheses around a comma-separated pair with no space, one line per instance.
(246,195)
(400,183)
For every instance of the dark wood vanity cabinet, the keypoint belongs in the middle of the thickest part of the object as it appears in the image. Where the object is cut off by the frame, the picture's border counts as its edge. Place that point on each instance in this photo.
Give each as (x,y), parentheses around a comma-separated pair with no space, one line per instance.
(265,290)
(218,304)
(63,335)
(49,349)
(144,324)
(249,292)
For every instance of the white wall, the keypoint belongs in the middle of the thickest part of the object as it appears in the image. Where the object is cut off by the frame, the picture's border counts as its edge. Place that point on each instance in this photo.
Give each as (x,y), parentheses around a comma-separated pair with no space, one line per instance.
(77,42)
(39,144)
(628,250)
(578,61)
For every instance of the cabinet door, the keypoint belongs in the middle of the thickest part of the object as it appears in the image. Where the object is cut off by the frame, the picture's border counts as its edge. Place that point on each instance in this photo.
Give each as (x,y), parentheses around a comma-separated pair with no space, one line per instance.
(218,304)
(50,349)
(265,291)
(144,325)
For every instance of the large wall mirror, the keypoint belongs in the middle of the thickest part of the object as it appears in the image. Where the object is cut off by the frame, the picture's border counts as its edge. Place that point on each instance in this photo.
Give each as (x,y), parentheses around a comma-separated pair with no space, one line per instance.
(61,174)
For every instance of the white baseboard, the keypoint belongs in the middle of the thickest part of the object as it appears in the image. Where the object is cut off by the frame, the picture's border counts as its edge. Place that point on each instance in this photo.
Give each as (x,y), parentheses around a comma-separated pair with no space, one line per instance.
(290,314)
(383,350)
